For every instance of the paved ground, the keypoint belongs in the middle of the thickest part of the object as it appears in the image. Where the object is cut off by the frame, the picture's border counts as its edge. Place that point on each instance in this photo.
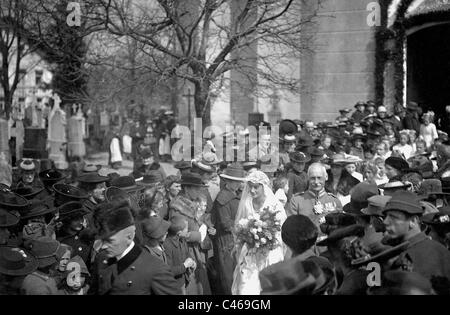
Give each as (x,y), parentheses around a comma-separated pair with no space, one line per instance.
(101,158)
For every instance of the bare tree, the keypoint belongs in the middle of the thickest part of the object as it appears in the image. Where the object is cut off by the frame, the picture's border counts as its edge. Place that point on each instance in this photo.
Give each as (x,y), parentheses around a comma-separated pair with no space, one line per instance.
(13,48)
(201,40)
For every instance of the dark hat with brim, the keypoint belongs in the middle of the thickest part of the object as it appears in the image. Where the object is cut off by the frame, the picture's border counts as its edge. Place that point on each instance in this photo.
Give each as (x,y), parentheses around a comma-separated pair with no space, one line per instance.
(8,219)
(360,104)
(115,194)
(359,198)
(36,209)
(250,164)
(15,261)
(359,136)
(12,201)
(299,157)
(126,183)
(46,250)
(51,177)
(151,179)
(191,179)
(234,172)
(92,178)
(182,165)
(71,209)
(341,233)
(381,257)
(28,192)
(66,193)
(155,227)
(316,152)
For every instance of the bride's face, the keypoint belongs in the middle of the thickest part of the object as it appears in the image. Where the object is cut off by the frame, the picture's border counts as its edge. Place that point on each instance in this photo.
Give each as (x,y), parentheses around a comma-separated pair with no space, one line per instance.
(256,190)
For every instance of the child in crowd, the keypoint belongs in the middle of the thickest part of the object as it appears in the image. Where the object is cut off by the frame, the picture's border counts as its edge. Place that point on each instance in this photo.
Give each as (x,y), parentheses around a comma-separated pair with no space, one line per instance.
(281,188)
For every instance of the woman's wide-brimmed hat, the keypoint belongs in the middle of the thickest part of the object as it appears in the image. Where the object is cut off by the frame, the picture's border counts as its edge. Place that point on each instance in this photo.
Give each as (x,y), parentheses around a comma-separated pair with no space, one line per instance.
(12,201)
(115,194)
(27,165)
(191,179)
(51,177)
(235,172)
(341,233)
(66,193)
(126,183)
(92,178)
(28,192)
(71,209)
(340,159)
(15,261)
(46,250)
(8,219)
(36,209)
(183,165)
(395,185)
(208,162)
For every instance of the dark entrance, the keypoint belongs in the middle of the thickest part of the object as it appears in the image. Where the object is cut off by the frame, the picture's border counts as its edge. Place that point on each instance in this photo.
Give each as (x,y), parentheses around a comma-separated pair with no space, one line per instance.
(428,63)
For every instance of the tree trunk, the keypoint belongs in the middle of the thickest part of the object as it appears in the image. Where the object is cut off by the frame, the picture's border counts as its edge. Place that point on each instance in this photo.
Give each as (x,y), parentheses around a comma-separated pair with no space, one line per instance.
(203,103)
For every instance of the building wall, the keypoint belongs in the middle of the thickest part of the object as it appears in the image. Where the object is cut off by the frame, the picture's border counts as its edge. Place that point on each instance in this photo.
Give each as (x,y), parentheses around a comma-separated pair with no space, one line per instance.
(339,71)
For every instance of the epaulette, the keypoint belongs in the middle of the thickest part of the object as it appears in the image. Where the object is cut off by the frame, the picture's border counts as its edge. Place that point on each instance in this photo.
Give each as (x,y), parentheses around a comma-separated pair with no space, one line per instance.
(298,194)
(332,195)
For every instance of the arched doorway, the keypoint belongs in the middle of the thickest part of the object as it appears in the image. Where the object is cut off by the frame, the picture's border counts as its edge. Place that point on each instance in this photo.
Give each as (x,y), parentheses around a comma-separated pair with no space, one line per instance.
(428,66)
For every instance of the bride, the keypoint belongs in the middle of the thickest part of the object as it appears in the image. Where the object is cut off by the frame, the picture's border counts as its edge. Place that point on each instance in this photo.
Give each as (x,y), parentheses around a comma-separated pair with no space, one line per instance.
(257,195)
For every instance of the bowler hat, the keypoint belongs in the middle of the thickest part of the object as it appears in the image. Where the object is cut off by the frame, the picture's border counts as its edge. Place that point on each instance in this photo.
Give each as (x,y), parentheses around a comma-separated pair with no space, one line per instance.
(28,192)
(51,177)
(248,165)
(71,208)
(234,171)
(91,168)
(316,152)
(65,193)
(15,261)
(126,183)
(299,157)
(359,196)
(385,255)
(404,201)
(46,250)
(92,178)
(155,227)
(288,277)
(151,178)
(191,179)
(112,218)
(376,205)
(8,219)
(412,106)
(182,165)
(341,233)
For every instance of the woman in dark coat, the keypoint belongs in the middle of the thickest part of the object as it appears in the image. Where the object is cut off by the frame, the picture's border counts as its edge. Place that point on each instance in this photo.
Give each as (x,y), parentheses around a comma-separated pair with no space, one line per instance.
(340,182)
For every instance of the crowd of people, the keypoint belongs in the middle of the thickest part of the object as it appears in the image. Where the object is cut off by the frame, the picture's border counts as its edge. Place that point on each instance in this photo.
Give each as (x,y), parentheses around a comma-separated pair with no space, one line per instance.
(368,188)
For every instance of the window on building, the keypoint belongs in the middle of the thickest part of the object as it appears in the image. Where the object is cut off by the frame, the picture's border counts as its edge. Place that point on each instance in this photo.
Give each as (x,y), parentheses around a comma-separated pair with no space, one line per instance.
(38,76)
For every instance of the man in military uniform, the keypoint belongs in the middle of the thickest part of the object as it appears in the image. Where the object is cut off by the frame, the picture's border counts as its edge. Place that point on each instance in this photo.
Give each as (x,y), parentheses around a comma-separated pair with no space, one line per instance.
(298,180)
(222,216)
(129,270)
(316,202)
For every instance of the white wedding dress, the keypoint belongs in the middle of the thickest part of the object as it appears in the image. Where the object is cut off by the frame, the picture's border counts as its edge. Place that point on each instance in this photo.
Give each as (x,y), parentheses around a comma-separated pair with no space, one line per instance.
(249,264)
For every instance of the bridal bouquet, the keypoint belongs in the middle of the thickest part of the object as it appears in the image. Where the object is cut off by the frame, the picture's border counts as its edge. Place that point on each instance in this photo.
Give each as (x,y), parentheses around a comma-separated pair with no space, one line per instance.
(258,232)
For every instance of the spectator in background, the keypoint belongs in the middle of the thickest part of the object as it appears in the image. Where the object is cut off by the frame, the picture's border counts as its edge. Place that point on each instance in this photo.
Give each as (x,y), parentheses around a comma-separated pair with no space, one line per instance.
(411,120)
(428,129)
(403,147)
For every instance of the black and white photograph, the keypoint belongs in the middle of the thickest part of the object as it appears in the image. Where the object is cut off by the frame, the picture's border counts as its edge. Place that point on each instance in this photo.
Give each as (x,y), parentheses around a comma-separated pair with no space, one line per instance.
(224,152)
